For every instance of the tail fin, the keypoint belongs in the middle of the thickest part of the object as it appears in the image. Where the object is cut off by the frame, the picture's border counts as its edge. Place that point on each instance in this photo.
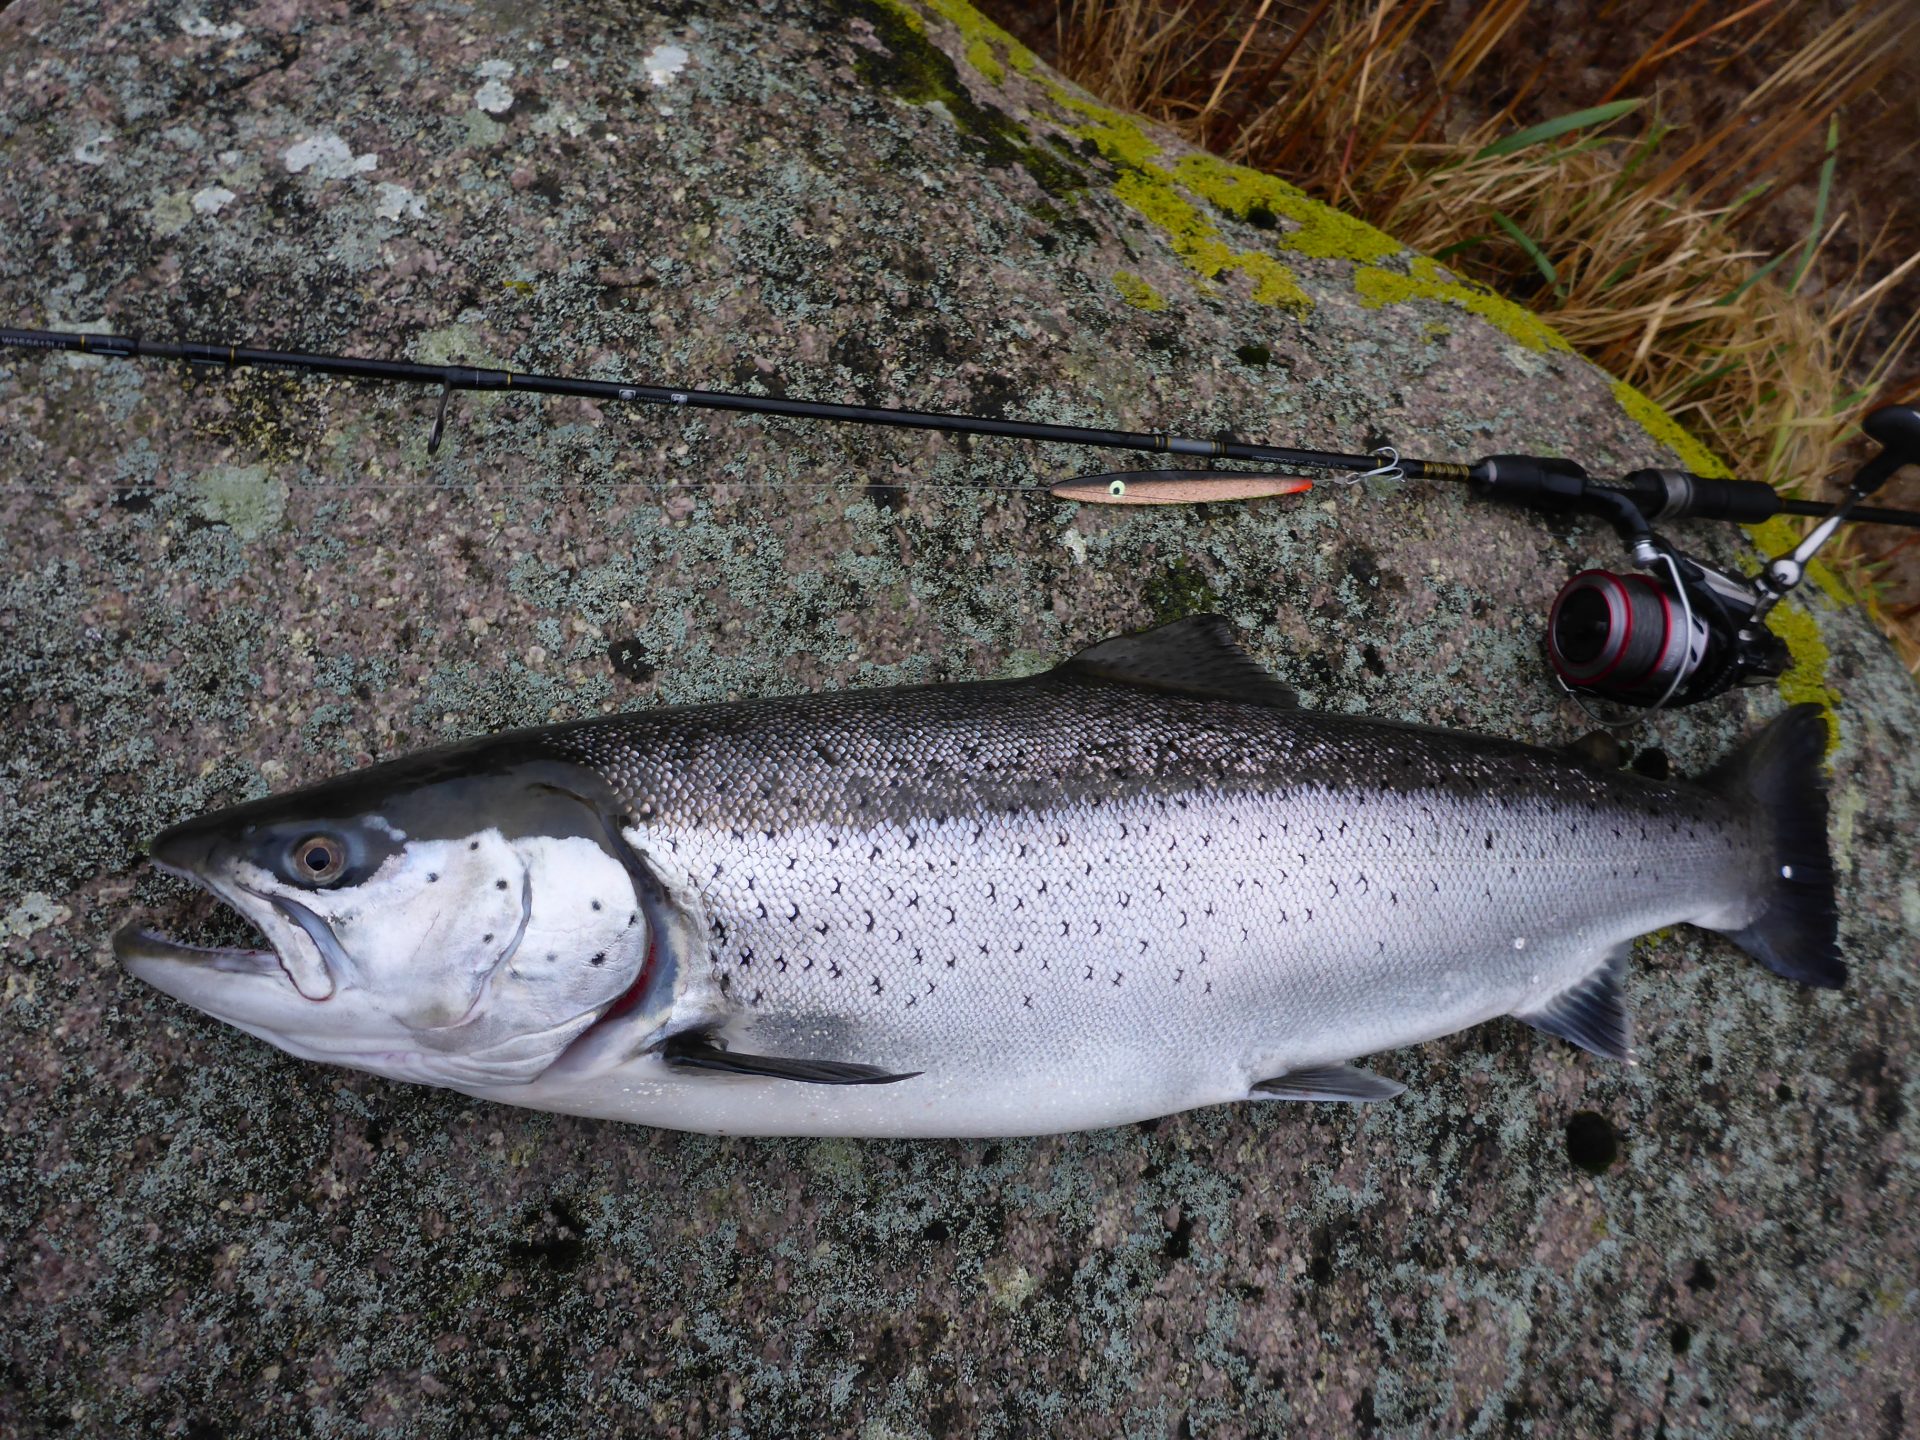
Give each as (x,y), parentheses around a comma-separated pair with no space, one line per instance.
(1777,773)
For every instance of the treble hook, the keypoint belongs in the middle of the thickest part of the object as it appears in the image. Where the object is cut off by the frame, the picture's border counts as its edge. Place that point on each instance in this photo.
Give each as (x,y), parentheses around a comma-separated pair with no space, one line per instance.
(1388,468)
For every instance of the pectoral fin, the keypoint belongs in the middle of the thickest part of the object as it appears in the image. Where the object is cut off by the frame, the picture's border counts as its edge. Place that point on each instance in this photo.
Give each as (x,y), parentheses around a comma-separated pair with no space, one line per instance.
(698,1052)
(1329,1082)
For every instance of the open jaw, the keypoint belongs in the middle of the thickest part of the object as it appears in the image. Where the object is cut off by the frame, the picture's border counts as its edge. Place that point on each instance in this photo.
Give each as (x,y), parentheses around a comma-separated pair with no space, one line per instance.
(143,949)
(135,942)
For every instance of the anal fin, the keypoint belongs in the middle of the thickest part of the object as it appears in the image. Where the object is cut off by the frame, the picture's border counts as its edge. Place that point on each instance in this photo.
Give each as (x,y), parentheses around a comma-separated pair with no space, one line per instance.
(692,1051)
(1592,1013)
(1329,1082)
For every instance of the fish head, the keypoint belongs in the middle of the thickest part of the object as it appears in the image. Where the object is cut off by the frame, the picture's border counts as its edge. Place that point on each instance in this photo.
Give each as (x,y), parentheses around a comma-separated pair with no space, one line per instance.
(458,918)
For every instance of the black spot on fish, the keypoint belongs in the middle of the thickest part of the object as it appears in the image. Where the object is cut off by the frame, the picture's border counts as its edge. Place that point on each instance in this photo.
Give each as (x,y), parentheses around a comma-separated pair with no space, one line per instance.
(499,884)
(431,877)
(594,903)
(598,960)
(473,845)
(487,939)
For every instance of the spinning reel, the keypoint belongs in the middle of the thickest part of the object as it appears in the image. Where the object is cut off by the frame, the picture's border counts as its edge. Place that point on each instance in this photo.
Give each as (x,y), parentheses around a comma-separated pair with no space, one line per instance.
(1678,631)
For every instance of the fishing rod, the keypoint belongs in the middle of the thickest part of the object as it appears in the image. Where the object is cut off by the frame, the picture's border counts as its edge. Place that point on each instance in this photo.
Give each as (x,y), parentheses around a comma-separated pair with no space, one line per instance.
(1609,635)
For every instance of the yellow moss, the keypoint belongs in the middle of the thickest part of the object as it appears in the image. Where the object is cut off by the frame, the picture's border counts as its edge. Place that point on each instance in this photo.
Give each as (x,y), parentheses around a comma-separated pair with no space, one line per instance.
(1151,191)
(1273,283)
(1377,287)
(1324,233)
(980,55)
(983,38)
(1119,137)
(1807,678)
(1145,190)
(1670,433)
(1138,292)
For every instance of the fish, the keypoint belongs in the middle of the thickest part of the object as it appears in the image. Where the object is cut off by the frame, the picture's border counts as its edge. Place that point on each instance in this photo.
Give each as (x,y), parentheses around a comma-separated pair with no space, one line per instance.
(1141,882)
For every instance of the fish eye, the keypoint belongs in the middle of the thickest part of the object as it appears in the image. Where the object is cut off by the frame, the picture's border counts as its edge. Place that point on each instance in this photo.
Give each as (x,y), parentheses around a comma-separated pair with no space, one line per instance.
(317,860)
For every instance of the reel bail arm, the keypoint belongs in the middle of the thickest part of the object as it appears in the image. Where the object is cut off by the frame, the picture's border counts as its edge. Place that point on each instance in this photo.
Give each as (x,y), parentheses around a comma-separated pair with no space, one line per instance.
(1897,428)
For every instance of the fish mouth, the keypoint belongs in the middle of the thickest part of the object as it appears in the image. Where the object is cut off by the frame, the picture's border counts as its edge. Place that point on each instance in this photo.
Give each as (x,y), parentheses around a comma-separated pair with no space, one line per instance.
(135,941)
(137,944)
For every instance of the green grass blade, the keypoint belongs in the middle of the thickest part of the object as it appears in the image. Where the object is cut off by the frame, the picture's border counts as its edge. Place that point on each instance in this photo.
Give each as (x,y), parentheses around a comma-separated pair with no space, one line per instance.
(1712,375)
(1819,204)
(1534,252)
(1447,252)
(1553,129)
(1755,278)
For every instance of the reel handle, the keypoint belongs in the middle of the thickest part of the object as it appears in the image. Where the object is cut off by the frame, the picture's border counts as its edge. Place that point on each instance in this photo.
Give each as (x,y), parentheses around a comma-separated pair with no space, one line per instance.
(1896,429)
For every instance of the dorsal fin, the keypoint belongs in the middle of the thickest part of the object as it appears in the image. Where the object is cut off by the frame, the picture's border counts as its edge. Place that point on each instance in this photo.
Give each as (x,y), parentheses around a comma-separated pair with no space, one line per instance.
(1195,656)
(1597,750)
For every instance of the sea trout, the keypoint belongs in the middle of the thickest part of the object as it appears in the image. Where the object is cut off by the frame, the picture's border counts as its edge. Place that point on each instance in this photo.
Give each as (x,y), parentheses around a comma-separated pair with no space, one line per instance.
(1143,881)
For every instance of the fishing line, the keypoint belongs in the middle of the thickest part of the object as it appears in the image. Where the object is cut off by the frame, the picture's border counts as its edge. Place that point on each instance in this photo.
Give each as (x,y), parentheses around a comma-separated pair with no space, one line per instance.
(1699,496)
(1607,635)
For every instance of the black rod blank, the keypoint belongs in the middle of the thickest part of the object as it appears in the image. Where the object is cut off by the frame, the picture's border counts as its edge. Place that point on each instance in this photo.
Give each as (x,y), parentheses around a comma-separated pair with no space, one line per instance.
(464,377)
(449,378)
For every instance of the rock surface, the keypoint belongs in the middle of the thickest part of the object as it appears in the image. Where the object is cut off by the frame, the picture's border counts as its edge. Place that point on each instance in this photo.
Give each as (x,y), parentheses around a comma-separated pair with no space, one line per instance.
(215,587)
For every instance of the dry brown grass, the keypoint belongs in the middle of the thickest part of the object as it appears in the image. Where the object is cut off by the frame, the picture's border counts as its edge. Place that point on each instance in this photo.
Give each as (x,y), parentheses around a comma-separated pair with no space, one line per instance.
(1634,237)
